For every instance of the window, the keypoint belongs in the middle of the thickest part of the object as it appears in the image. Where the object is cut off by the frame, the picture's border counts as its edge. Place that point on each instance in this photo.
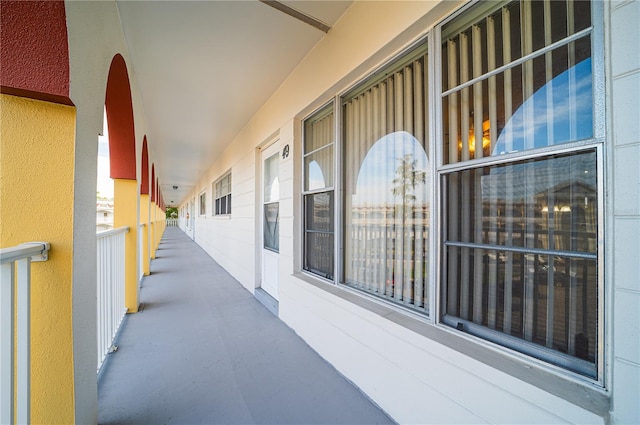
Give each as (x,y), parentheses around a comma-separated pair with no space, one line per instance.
(518,133)
(271,203)
(203,203)
(222,199)
(520,208)
(318,193)
(386,184)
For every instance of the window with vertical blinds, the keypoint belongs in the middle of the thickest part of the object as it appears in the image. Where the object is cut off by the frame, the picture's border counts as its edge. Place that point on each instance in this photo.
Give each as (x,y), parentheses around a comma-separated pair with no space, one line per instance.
(386,184)
(520,253)
(318,192)
(517,79)
(519,181)
(222,195)
(203,203)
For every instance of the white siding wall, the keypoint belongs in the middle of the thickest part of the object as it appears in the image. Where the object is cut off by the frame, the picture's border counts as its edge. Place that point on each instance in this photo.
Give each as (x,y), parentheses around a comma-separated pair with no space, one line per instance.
(413,378)
(234,241)
(625,238)
(288,222)
(231,240)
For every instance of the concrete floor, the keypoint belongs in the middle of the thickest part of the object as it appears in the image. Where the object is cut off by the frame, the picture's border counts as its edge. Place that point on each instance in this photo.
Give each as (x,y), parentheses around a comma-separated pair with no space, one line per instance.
(205,351)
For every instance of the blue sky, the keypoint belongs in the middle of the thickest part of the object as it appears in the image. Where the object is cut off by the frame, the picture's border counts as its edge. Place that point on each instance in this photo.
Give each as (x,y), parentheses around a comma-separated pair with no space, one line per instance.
(374,184)
(571,113)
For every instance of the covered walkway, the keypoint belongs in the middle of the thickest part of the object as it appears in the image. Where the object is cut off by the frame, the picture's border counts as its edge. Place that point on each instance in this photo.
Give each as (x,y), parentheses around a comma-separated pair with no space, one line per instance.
(204,350)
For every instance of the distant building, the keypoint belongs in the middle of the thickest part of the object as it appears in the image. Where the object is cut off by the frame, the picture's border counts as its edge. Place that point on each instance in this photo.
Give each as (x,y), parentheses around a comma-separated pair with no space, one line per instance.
(104,214)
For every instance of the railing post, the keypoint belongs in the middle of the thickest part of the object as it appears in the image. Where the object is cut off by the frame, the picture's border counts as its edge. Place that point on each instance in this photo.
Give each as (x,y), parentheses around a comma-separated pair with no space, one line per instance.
(6,343)
(15,327)
(24,339)
(111,307)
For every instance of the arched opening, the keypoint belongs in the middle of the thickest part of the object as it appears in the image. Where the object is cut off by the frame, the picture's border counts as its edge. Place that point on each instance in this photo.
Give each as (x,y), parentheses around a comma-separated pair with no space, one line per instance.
(153,183)
(145,227)
(104,186)
(119,110)
(144,167)
(122,164)
(152,213)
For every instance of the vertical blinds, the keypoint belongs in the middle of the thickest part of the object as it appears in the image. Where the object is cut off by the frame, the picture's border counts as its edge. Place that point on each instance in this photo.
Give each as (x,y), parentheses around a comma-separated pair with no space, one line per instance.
(222,199)
(521,251)
(517,79)
(386,185)
(318,151)
(318,193)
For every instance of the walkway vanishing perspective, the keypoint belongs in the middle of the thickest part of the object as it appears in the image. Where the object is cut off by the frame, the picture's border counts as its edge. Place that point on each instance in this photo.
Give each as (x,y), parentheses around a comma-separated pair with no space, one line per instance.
(205,351)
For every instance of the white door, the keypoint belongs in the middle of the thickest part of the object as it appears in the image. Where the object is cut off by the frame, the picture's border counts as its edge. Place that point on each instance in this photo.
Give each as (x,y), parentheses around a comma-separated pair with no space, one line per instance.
(270,219)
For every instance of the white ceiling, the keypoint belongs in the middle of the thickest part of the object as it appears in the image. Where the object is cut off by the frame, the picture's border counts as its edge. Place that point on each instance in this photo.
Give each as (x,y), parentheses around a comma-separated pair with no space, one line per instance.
(204,68)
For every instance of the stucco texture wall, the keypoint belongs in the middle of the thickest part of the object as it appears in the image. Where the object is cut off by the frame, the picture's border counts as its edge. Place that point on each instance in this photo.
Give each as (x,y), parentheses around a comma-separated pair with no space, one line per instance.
(35,57)
(36,204)
(126,214)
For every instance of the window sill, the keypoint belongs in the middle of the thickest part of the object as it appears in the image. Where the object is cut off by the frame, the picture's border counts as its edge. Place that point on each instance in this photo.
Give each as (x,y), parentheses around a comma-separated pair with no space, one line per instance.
(583,394)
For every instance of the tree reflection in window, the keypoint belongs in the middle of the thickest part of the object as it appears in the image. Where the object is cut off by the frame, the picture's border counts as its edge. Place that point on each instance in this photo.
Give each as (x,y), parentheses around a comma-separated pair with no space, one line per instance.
(386,241)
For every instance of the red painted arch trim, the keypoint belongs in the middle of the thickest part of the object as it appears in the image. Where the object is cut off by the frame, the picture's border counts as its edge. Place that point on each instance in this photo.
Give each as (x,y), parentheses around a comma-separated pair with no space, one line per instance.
(144,184)
(35,50)
(122,141)
(153,184)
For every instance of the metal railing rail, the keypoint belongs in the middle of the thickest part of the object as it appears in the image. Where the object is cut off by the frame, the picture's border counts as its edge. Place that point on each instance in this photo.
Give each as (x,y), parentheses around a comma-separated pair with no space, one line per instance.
(111,288)
(141,253)
(15,324)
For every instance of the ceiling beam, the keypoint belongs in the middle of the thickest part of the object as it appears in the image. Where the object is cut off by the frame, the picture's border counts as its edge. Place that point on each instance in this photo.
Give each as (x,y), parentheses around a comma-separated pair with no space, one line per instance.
(297,14)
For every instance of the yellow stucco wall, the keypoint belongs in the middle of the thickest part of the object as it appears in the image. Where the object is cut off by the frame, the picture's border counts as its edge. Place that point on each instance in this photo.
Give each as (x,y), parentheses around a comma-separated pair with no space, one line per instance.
(125,213)
(36,204)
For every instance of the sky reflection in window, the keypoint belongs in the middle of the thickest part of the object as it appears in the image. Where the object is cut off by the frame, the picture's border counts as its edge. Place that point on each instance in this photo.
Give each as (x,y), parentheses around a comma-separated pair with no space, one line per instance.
(569,118)
(381,165)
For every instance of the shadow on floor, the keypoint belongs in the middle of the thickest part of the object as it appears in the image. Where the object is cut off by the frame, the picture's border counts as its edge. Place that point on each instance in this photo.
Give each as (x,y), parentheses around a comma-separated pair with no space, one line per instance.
(205,351)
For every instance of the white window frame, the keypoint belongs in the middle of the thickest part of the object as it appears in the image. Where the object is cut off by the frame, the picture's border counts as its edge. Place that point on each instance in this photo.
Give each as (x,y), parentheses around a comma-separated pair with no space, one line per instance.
(202,206)
(216,188)
(333,189)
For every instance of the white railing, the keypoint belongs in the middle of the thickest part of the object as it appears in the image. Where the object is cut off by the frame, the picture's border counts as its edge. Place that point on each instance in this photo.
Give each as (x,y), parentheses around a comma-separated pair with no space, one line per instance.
(172,222)
(141,230)
(15,318)
(111,277)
